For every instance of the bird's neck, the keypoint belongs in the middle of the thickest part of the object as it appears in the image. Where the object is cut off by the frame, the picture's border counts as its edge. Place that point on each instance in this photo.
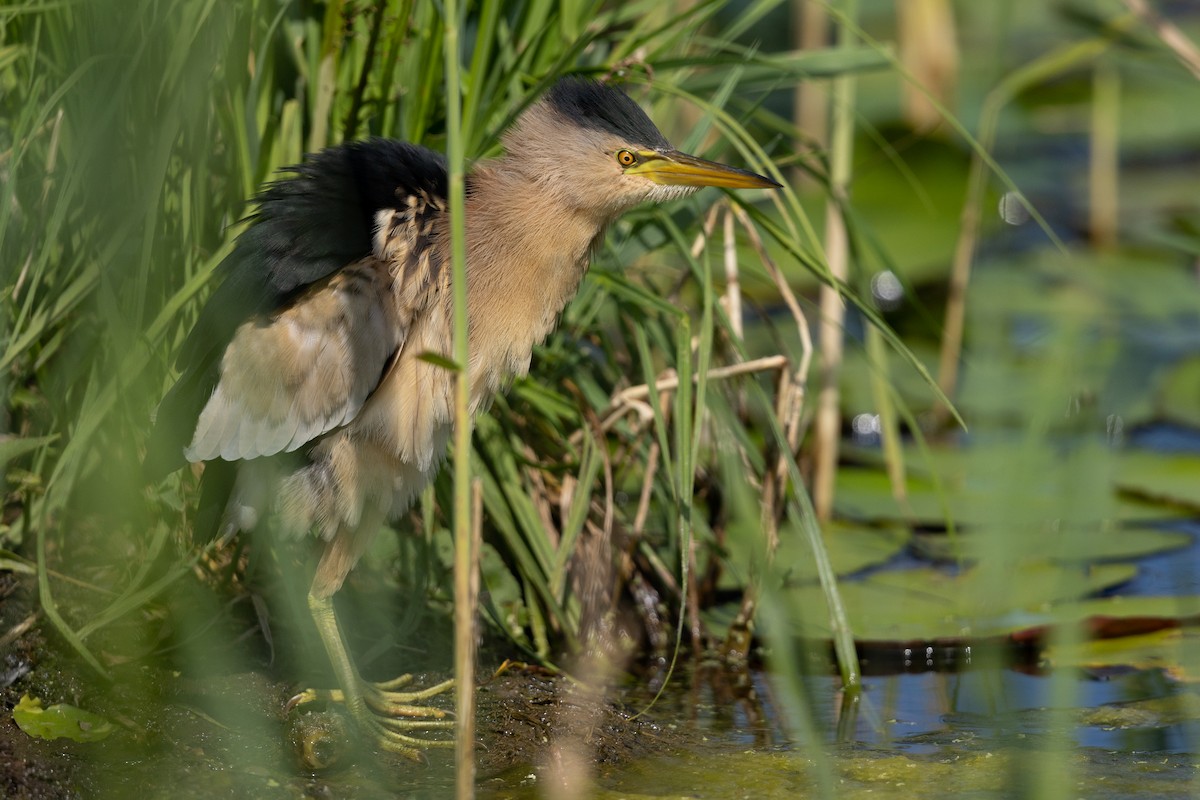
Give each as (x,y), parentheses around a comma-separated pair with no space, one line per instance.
(526,254)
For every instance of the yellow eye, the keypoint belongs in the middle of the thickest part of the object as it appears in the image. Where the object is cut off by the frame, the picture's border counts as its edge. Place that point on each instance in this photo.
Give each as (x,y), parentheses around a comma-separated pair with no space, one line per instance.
(626,158)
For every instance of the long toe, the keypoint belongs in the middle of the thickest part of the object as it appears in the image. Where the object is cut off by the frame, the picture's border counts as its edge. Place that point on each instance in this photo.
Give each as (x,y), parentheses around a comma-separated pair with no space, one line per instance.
(383,700)
(388,735)
(409,746)
(387,717)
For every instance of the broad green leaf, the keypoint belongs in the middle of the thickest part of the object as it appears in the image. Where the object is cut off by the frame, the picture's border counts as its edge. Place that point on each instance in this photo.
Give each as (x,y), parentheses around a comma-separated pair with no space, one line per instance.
(1178,394)
(1164,649)
(928,603)
(59,721)
(1094,543)
(1161,478)
(851,548)
(1002,482)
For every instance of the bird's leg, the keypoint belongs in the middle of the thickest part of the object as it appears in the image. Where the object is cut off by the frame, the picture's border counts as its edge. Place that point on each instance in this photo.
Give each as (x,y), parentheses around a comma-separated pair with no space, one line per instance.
(381,710)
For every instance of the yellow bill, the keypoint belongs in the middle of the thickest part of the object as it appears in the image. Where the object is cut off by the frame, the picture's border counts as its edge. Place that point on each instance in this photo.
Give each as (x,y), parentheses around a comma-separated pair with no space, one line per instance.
(673,168)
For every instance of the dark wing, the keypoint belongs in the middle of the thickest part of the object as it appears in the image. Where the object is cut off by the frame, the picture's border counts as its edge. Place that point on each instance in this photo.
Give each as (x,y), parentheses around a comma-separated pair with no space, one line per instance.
(286,286)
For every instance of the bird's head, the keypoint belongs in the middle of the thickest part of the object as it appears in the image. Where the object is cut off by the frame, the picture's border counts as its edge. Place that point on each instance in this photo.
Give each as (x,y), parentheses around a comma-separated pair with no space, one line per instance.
(592,148)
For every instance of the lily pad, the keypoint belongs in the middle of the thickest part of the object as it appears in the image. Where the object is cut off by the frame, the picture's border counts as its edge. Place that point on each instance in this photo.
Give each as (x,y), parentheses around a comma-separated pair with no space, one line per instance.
(1166,649)
(851,548)
(1178,395)
(1162,478)
(928,603)
(1180,607)
(59,721)
(1115,287)
(1096,327)
(1010,483)
(1164,637)
(1099,543)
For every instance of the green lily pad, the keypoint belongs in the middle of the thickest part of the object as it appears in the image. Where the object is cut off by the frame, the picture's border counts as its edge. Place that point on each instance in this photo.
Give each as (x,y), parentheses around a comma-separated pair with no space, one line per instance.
(1161,478)
(927,603)
(1161,606)
(1178,395)
(1088,285)
(1015,484)
(866,494)
(1167,649)
(851,549)
(1051,326)
(1174,648)
(1082,544)
(59,721)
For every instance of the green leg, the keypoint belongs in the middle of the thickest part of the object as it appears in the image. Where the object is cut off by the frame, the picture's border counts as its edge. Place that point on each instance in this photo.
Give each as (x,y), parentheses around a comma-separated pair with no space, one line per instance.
(380,711)
(344,672)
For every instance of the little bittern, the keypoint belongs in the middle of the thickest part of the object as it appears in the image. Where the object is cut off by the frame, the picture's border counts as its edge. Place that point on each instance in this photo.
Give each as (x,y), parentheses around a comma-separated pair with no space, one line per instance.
(303,385)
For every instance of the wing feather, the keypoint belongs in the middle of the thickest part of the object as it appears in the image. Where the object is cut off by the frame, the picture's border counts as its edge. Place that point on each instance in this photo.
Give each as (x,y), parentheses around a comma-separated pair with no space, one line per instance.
(307,230)
(287,380)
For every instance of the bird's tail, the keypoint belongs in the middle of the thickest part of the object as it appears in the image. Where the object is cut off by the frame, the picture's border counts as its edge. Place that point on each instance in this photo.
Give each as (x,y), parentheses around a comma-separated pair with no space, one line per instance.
(216,488)
(236,496)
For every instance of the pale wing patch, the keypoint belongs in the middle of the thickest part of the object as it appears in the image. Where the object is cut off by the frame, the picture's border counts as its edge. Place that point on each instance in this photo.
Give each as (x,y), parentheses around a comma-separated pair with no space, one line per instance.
(415,401)
(306,371)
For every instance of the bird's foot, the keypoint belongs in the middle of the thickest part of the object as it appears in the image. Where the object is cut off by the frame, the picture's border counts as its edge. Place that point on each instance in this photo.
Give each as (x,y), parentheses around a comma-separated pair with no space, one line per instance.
(386,715)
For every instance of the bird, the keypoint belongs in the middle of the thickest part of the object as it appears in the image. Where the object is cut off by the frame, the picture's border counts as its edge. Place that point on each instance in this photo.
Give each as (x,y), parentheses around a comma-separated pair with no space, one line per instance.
(306,385)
